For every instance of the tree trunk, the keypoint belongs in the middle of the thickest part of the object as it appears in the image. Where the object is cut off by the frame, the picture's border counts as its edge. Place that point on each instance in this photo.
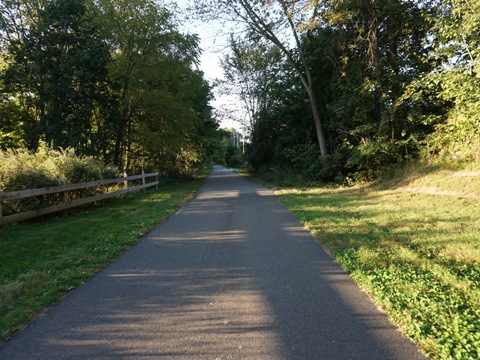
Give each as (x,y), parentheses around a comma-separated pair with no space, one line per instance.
(257,23)
(318,124)
(126,160)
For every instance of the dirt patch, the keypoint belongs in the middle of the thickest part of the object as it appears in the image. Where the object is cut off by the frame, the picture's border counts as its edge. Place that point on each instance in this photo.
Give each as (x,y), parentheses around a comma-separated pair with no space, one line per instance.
(435,191)
(466,173)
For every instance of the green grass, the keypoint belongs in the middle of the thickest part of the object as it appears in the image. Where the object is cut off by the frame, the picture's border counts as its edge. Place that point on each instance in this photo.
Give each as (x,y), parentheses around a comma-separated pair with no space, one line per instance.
(416,252)
(43,260)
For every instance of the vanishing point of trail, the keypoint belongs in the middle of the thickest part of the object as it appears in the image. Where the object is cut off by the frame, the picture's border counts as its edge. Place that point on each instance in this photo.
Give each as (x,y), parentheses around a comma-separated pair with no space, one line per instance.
(233,275)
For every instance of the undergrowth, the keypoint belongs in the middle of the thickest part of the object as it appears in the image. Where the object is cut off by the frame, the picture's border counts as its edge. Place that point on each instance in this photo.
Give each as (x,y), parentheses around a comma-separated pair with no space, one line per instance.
(21,169)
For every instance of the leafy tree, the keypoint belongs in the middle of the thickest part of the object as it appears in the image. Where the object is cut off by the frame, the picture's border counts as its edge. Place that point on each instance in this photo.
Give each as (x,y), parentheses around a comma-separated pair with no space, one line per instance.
(11,125)
(362,60)
(163,102)
(179,133)
(378,49)
(283,126)
(59,68)
(277,22)
(279,115)
(456,80)
(250,69)
(113,79)
(11,116)
(18,114)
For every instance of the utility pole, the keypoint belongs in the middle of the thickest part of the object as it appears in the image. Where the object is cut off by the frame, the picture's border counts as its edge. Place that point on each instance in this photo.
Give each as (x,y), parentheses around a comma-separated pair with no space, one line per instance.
(235,139)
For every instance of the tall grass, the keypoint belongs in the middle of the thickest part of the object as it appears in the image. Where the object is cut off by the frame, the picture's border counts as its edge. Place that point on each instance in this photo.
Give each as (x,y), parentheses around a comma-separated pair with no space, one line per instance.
(22,170)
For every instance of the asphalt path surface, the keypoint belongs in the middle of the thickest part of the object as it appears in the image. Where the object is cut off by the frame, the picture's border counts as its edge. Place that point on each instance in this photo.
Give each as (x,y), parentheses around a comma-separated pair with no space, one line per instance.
(232,275)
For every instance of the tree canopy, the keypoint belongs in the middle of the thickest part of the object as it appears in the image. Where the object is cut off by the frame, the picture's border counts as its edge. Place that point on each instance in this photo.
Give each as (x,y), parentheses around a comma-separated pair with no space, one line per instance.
(279,23)
(390,81)
(113,79)
(333,89)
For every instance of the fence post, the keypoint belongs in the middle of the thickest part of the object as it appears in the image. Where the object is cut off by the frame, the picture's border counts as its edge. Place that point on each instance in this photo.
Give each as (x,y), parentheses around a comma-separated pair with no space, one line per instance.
(103,190)
(143,181)
(156,179)
(125,183)
(65,200)
(1,211)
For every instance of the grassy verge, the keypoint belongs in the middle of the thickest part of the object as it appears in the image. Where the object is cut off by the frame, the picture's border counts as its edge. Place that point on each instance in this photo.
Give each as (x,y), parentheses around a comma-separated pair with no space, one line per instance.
(41,261)
(414,246)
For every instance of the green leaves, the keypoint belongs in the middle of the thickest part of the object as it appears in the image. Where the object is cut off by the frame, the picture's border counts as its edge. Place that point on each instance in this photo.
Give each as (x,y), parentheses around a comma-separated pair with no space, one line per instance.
(457,56)
(421,303)
(417,255)
(57,71)
(112,79)
(163,102)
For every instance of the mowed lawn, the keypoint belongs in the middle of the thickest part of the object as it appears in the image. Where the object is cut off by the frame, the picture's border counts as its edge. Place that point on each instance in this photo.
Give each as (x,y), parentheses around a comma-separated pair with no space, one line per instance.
(414,246)
(42,260)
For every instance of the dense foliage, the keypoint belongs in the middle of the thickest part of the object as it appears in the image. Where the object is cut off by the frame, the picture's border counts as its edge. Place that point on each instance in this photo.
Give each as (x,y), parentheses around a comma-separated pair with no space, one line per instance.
(112,79)
(21,170)
(394,81)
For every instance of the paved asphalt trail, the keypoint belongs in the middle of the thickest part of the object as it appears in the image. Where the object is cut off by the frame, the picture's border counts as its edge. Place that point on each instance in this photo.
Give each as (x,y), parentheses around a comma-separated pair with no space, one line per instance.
(232,276)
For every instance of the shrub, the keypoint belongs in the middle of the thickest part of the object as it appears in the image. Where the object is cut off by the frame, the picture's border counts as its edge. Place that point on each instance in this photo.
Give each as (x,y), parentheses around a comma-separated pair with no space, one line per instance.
(183,165)
(371,157)
(20,170)
(23,170)
(457,141)
(280,175)
(235,160)
(311,166)
(77,170)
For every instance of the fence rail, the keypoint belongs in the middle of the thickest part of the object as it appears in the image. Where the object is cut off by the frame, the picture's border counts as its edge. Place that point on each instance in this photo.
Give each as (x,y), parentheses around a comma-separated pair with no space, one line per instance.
(68,204)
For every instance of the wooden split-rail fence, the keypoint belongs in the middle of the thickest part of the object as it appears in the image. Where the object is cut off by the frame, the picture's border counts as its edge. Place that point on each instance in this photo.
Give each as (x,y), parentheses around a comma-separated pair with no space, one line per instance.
(69,203)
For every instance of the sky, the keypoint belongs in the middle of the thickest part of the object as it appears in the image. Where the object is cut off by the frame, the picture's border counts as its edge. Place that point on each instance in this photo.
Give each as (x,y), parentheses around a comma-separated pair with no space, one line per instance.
(210,41)
(213,45)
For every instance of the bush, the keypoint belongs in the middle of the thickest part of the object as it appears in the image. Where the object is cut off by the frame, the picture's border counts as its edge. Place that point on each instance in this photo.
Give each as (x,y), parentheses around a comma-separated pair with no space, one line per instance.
(311,166)
(280,175)
(77,170)
(23,170)
(457,141)
(371,158)
(235,161)
(183,165)
(20,170)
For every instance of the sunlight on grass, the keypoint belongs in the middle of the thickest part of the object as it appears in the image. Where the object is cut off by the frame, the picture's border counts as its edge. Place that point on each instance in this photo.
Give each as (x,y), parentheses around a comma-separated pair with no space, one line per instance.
(42,260)
(416,253)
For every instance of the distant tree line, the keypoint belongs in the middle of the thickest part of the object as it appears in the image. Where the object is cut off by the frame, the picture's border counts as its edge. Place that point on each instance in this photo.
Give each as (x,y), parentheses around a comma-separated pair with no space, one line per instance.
(112,79)
(339,88)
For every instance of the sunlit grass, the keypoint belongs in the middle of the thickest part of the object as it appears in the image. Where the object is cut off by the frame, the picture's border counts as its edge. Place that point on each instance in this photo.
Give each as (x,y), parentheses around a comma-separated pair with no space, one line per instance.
(41,261)
(416,253)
